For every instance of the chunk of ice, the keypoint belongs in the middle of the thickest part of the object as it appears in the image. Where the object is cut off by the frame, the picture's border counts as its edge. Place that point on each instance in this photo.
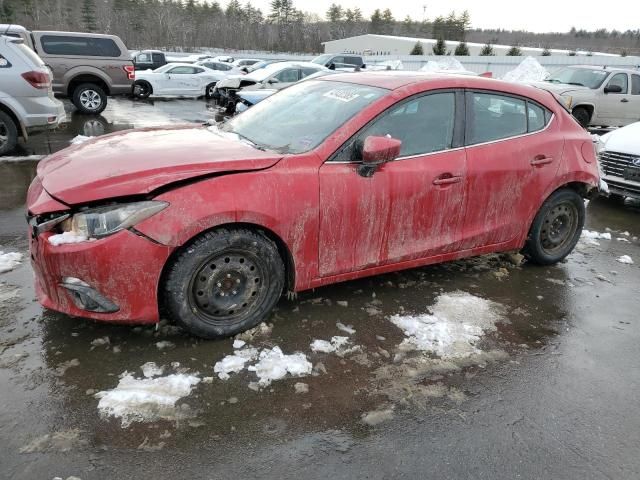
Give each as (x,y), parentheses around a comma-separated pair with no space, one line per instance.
(9,261)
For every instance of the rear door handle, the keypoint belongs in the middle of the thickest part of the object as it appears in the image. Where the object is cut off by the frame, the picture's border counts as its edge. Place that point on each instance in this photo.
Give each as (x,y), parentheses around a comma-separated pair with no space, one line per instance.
(624,100)
(541,160)
(447,179)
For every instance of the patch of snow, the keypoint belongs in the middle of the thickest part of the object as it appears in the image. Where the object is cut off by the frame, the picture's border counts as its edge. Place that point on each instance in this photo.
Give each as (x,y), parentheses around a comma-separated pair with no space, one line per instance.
(448,64)
(9,261)
(78,139)
(239,343)
(377,416)
(66,238)
(529,70)
(625,259)
(234,363)
(595,235)
(622,239)
(150,369)
(346,328)
(456,323)
(145,400)
(164,345)
(275,365)
(300,387)
(336,343)
(386,65)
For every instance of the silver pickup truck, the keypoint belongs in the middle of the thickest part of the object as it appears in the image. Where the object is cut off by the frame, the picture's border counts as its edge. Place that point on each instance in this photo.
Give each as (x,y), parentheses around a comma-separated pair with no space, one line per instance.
(598,96)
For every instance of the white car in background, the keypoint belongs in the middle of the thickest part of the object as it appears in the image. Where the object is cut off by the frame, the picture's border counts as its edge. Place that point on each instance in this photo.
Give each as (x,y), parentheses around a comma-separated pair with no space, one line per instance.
(619,155)
(183,79)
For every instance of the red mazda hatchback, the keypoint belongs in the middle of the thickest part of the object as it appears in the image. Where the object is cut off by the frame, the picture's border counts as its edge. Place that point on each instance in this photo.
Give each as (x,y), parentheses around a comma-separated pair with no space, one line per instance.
(329,180)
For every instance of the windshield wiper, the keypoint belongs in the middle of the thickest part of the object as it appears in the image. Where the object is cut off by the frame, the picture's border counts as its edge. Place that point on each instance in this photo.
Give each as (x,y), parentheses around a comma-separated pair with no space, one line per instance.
(575,83)
(552,80)
(251,142)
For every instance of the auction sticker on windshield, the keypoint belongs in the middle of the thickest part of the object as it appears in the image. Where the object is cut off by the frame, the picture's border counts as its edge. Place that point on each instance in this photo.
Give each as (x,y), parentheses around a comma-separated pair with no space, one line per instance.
(342,94)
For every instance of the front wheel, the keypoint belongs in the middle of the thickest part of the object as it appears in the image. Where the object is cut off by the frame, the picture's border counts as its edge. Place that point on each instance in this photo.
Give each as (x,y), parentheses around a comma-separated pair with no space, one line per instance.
(224,282)
(8,133)
(209,92)
(582,115)
(556,228)
(142,89)
(89,98)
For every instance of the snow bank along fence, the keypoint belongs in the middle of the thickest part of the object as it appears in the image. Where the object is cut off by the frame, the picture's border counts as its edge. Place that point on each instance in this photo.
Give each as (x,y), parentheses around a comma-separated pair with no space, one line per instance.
(479,64)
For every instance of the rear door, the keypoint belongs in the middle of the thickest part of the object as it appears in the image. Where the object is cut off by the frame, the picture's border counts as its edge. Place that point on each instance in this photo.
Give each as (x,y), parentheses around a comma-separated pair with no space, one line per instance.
(513,153)
(634,99)
(410,208)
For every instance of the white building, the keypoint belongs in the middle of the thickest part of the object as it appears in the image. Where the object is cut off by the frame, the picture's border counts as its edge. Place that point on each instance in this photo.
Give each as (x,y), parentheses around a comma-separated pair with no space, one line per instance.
(370,45)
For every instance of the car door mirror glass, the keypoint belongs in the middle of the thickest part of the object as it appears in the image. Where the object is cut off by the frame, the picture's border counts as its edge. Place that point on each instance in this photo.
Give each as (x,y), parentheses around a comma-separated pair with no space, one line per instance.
(613,89)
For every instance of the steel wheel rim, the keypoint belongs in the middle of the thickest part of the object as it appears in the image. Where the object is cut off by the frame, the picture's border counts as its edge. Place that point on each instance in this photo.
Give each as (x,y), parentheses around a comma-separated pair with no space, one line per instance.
(90,99)
(559,227)
(227,287)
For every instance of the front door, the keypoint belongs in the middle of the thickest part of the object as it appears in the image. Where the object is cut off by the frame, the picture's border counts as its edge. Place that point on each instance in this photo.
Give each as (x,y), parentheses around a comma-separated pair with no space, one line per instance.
(412,207)
(514,150)
(614,108)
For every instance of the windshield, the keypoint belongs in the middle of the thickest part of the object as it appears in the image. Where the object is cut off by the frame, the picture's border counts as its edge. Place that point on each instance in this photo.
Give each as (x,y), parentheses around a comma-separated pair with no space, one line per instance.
(302,116)
(583,77)
(322,59)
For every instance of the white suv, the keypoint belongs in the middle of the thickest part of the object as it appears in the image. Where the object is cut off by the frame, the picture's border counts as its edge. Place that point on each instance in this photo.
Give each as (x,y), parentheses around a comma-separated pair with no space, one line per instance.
(26,98)
(598,96)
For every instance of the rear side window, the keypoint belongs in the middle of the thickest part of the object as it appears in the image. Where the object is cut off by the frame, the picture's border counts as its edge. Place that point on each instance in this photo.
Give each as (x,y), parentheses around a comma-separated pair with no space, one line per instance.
(157,57)
(83,46)
(635,84)
(493,117)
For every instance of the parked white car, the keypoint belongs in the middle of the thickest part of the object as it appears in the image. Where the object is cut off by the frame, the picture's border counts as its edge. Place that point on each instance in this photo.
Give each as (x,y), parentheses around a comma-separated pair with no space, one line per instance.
(177,79)
(619,155)
(598,96)
(275,76)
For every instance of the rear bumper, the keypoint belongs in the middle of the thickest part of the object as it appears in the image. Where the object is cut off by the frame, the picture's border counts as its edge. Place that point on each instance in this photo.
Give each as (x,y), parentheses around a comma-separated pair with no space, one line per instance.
(41,112)
(123,268)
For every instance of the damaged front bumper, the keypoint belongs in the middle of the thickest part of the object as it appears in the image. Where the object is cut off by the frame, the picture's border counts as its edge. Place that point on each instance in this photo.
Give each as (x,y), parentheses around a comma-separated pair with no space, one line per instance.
(113,279)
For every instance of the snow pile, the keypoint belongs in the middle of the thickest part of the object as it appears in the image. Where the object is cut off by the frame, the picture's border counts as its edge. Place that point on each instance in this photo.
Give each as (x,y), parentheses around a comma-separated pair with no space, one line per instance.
(145,400)
(9,261)
(386,65)
(234,363)
(625,259)
(448,64)
(150,369)
(529,70)
(346,328)
(336,344)
(274,365)
(457,322)
(78,139)
(595,235)
(66,238)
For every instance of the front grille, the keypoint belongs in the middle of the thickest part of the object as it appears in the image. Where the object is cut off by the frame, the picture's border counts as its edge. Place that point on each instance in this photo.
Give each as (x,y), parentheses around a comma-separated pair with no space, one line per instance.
(614,163)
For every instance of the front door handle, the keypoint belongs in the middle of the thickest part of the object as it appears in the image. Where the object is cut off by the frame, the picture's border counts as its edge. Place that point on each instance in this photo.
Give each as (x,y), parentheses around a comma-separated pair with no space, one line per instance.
(447,179)
(540,160)
(624,100)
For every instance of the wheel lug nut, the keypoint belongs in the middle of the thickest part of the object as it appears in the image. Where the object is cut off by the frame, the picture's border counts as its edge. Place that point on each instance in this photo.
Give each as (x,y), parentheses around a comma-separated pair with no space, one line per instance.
(228,275)
(237,280)
(218,284)
(234,292)
(222,294)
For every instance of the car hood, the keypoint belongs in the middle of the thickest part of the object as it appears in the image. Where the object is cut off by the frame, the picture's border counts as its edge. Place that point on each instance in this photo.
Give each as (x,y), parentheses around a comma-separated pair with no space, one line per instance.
(559,88)
(137,162)
(623,140)
(255,96)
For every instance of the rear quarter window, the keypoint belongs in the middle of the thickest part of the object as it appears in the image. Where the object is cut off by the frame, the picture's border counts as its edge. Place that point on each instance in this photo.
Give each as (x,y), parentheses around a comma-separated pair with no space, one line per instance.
(80,46)
(538,117)
(4,63)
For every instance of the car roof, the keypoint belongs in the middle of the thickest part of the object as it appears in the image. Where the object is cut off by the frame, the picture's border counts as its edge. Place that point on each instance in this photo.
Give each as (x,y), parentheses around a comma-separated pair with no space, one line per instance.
(605,68)
(393,80)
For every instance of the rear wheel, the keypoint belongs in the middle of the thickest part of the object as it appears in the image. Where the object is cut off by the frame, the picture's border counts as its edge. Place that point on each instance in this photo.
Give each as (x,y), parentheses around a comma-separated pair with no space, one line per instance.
(8,133)
(89,98)
(556,228)
(582,115)
(224,282)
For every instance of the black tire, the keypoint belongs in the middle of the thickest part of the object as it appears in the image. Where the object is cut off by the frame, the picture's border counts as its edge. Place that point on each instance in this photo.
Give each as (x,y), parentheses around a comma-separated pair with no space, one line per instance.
(89,98)
(209,92)
(142,89)
(556,228)
(616,197)
(8,133)
(582,115)
(223,282)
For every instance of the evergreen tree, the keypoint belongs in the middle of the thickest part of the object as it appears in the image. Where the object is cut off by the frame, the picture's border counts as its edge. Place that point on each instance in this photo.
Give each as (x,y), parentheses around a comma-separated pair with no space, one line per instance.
(514,51)
(407,26)
(462,50)
(487,51)
(572,53)
(440,48)
(417,49)
(546,52)
(376,25)
(387,22)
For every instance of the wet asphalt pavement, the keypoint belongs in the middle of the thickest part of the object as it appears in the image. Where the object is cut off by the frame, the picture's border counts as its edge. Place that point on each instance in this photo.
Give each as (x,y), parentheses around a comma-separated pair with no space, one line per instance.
(552,393)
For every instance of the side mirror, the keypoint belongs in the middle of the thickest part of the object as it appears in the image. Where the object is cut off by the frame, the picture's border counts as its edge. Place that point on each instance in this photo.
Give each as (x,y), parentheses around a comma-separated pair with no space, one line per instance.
(273,80)
(376,151)
(613,89)
(332,66)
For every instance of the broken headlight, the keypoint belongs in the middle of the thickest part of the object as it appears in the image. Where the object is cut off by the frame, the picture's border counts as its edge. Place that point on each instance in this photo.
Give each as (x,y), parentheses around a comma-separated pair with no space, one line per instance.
(103,221)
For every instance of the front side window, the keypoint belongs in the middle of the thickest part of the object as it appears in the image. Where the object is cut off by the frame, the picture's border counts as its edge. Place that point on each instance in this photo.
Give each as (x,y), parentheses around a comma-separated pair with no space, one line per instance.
(493,117)
(301,117)
(182,70)
(289,75)
(83,46)
(620,80)
(635,84)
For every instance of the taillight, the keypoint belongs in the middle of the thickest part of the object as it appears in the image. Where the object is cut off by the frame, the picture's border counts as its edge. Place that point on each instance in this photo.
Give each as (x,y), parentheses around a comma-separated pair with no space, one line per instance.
(131,71)
(40,80)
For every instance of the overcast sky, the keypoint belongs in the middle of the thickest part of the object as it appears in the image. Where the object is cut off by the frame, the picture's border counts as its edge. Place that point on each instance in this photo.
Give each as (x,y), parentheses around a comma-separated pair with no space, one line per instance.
(536,16)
